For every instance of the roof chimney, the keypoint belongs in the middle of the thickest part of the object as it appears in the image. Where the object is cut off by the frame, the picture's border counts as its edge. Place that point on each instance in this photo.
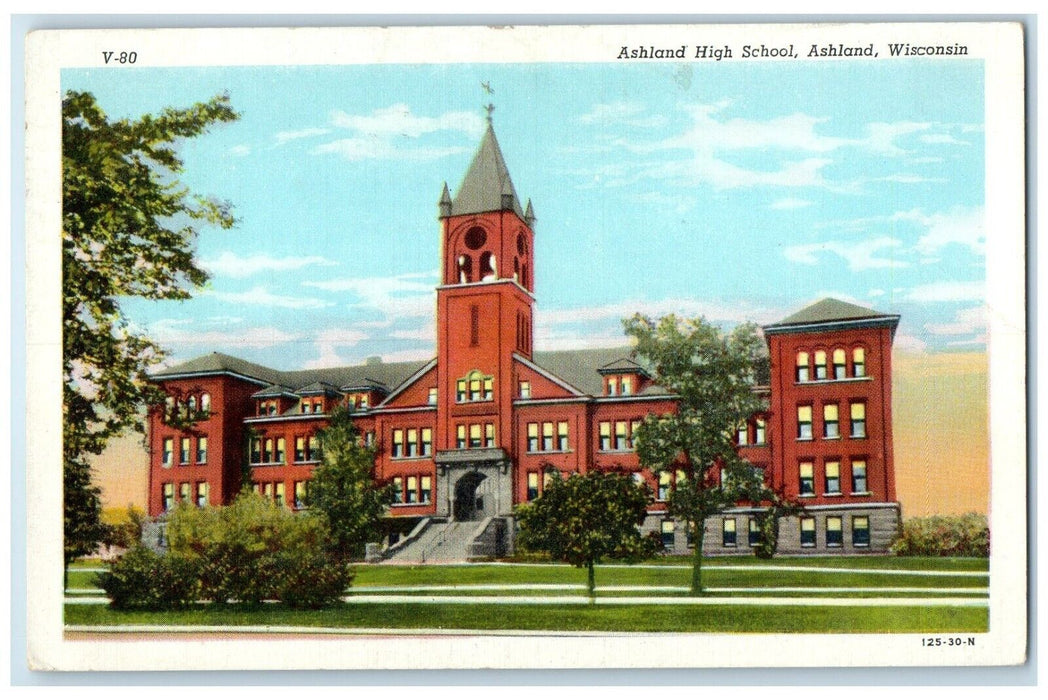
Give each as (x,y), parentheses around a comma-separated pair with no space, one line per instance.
(373,360)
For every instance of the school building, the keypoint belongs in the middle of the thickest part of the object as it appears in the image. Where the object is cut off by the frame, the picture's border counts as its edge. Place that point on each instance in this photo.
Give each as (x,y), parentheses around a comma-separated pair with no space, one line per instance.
(465,436)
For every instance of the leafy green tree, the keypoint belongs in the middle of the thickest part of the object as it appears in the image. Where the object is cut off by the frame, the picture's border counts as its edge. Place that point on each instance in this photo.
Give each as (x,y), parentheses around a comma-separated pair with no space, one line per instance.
(128,228)
(713,375)
(343,487)
(82,513)
(124,526)
(585,519)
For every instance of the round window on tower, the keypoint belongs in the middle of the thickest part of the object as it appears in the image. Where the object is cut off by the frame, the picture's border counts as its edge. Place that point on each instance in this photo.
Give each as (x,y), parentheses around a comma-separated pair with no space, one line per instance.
(475,238)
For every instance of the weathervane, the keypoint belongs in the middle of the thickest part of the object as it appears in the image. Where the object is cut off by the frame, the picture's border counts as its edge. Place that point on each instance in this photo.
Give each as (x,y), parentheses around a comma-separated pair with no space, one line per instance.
(490,107)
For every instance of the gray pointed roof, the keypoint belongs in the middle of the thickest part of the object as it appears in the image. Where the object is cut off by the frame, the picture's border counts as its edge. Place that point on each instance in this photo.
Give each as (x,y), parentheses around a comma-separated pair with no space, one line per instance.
(220,363)
(831,311)
(380,374)
(486,181)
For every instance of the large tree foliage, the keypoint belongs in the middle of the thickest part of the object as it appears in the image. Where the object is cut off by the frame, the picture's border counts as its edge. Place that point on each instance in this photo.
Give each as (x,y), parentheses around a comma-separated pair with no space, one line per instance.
(584,519)
(128,229)
(343,487)
(82,512)
(713,375)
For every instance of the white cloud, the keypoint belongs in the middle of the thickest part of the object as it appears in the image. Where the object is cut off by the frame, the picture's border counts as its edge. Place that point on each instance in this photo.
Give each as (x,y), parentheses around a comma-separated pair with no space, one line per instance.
(713,310)
(398,120)
(188,333)
(947,292)
(881,136)
(965,322)
(230,264)
(943,139)
(711,136)
(959,226)
(328,341)
(240,151)
(860,255)
(260,296)
(367,149)
(283,137)
(400,296)
(909,343)
(426,332)
(907,179)
(380,135)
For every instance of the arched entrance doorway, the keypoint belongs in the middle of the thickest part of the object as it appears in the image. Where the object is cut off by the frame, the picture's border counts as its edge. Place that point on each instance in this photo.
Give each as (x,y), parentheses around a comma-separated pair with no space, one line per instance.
(469,502)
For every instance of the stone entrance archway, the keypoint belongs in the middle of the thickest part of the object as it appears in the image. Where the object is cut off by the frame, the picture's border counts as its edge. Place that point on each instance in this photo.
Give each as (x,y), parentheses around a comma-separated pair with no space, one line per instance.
(469,500)
(473,484)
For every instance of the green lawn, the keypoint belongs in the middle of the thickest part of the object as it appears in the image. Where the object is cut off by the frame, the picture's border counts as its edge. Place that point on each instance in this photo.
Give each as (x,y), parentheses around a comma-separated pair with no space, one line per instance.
(648,576)
(638,618)
(624,617)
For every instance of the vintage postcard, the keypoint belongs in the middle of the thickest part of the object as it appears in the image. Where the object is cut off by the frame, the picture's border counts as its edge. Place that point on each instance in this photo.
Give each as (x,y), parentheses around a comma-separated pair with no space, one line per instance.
(526,347)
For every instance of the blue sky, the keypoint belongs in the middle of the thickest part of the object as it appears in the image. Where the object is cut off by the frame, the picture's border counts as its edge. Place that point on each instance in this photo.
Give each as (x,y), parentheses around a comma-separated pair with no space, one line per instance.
(735,190)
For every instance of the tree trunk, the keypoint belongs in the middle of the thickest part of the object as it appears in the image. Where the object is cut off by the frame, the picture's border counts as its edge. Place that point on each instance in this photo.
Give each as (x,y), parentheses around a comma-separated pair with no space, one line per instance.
(591,582)
(696,563)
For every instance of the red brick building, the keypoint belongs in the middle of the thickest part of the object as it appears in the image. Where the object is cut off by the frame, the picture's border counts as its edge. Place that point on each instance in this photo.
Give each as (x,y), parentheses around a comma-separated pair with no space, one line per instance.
(466,435)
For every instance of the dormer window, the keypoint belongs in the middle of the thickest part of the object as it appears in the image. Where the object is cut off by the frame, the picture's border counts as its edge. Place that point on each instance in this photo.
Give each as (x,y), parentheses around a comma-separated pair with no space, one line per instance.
(613,386)
(627,386)
(525,389)
(433,396)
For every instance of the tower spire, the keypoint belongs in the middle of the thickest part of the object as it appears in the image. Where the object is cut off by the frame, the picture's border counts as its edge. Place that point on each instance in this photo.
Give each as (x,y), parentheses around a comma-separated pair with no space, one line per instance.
(487,185)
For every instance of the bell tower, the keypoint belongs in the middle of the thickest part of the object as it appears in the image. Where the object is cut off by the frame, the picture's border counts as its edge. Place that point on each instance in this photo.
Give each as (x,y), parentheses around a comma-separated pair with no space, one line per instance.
(485,301)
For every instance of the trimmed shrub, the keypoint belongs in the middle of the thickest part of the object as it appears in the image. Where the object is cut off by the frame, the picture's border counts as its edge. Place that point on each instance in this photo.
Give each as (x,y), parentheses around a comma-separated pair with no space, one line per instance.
(144,579)
(944,536)
(308,579)
(248,552)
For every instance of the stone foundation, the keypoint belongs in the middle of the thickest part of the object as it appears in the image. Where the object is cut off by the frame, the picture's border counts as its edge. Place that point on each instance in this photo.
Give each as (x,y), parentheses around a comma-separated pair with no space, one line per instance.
(884,522)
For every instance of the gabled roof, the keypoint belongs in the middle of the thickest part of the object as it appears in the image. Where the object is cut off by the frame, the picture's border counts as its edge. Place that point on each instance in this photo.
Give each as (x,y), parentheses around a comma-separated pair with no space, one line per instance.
(579,368)
(273,391)
(365,384)
(317,388)
(486,182)
(622,365)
